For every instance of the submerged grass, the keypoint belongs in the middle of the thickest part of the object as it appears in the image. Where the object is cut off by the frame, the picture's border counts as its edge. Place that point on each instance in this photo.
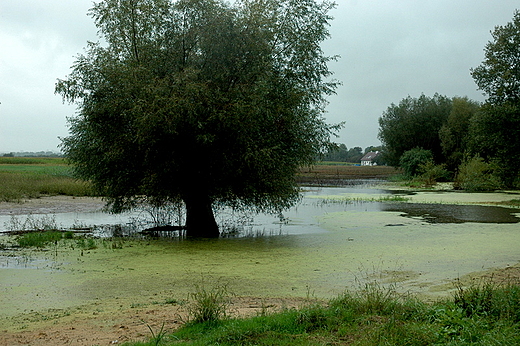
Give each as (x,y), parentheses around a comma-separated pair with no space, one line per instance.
(39,239)
(374,315)
(351,200)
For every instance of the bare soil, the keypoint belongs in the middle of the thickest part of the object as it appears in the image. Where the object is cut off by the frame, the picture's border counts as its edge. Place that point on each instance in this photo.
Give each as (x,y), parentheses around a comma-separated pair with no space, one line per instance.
(329,174)
(133,324)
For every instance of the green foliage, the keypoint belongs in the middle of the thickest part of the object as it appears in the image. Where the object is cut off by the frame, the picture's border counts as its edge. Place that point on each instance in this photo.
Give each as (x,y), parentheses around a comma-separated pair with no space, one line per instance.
(225,98)
(490,300)
(477,175)
(31,161)
(495,132)
(497,128)
(87,243)
(498,75)
(455,133)
(39,239)
(414,123)
(412,160)
(158,337)
(431,173)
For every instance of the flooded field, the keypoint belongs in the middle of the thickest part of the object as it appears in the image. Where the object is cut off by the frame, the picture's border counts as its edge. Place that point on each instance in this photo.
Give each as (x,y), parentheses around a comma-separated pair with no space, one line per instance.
(333,240)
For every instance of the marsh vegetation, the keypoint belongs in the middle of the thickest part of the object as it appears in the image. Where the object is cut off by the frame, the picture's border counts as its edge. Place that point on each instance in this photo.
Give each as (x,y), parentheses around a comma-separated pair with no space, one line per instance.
(24,178)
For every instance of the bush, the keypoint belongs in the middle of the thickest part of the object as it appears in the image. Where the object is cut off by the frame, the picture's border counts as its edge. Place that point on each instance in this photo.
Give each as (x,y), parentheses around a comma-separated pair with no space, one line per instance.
(490,300)
(430,173)
(477,175)
(412,160)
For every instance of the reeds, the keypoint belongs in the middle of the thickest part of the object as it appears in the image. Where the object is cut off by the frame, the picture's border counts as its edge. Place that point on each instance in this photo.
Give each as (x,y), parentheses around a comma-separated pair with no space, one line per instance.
(16,186)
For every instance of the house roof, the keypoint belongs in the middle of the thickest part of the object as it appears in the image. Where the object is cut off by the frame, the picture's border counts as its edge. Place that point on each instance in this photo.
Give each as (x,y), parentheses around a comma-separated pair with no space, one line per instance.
(370,156)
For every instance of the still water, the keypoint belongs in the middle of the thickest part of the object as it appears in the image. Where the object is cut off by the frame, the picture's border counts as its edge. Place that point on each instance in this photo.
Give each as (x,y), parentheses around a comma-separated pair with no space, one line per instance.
(333,240)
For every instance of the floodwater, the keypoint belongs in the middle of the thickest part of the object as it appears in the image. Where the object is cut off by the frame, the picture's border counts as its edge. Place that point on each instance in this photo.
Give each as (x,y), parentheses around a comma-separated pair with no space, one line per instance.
(335,239)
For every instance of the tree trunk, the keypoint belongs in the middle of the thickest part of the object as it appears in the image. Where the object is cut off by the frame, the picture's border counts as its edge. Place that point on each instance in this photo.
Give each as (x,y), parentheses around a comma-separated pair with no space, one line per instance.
(200,221)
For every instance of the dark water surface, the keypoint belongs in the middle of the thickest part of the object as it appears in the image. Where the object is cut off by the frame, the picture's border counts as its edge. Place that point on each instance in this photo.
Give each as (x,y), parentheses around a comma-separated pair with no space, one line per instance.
(446,213)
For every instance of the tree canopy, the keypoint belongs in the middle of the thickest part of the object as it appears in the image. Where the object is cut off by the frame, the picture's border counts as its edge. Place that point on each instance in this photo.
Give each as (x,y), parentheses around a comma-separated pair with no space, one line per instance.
(499,74)
(200,102)
(413,123)
(496,129)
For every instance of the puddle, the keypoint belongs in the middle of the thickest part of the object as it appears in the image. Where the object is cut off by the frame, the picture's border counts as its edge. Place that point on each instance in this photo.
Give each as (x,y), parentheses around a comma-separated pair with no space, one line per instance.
(446,213)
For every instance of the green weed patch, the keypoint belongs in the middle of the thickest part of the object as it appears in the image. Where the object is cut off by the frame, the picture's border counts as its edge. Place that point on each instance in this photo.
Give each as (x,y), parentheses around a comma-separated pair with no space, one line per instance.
(39,239)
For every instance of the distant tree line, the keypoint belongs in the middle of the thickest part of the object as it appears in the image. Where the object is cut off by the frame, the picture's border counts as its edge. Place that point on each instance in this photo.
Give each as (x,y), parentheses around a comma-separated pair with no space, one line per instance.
(33,154)
(340,153)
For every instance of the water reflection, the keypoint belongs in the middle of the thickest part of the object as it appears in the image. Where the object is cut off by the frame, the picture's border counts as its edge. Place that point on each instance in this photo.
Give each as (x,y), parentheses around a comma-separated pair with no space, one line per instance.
(355,195)
(446,213)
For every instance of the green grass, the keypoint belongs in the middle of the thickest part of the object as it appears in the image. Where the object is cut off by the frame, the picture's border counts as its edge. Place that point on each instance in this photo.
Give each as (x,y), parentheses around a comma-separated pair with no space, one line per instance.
(39,239)
(36,177)
(485,314)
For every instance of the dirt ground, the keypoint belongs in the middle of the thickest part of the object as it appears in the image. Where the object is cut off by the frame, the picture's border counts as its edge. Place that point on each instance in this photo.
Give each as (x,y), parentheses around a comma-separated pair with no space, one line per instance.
(128,325)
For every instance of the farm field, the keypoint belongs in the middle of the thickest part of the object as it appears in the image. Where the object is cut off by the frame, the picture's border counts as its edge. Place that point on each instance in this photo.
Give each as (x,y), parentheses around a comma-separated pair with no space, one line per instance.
(331,172)
(25,178)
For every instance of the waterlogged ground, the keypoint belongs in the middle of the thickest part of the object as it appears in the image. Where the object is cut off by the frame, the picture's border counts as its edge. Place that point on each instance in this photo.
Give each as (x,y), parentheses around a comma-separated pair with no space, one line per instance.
(336,239)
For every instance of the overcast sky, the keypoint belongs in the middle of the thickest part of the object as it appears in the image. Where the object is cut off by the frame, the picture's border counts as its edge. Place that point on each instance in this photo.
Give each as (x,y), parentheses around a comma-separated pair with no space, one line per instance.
(389,49)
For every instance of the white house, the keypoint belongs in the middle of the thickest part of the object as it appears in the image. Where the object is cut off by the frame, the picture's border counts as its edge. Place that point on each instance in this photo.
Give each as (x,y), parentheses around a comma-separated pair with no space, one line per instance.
(370,158)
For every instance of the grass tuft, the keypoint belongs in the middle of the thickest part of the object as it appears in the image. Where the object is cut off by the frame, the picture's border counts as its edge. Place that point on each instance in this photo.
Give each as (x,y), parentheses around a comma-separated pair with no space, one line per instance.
(209,302)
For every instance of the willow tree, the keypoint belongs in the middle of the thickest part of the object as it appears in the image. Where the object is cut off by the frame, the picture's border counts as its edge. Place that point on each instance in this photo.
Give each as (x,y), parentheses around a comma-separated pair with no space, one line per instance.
(200,102)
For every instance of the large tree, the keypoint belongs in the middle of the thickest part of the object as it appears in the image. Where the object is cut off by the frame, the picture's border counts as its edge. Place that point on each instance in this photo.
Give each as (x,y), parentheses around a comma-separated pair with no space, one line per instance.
(454,135)
(414,123)
(200,102)
(496,129)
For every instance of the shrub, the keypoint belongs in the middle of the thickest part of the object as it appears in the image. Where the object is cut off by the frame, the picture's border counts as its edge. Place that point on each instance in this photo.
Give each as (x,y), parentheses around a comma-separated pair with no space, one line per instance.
(477,175)
(412,159)
(430,173)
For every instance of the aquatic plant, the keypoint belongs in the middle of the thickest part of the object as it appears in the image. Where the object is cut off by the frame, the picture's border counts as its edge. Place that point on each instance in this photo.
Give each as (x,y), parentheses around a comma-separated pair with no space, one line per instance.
(86,243)
(39,239)
(32,223)
(354,200)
